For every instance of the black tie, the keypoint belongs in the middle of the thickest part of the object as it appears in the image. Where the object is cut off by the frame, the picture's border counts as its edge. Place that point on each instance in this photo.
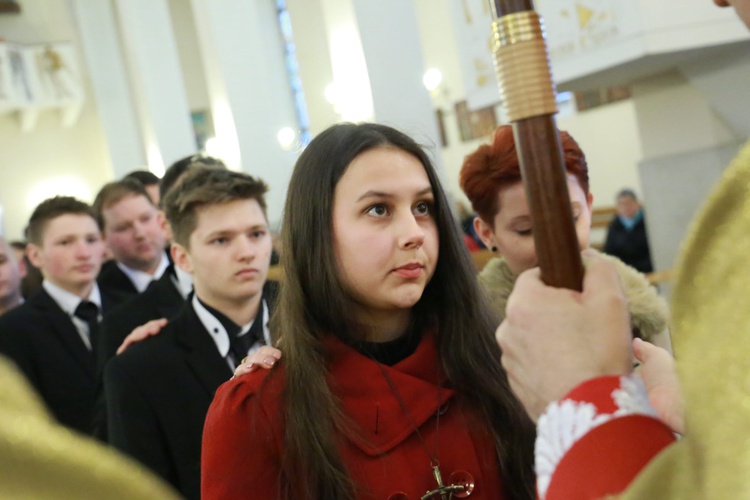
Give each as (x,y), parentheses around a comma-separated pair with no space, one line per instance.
(89,312)
(241,344)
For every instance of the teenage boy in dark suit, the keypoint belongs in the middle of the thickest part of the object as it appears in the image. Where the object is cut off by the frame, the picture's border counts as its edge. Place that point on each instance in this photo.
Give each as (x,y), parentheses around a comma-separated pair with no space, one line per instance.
(160,301)
(53,335)
(163,297)
(158,391)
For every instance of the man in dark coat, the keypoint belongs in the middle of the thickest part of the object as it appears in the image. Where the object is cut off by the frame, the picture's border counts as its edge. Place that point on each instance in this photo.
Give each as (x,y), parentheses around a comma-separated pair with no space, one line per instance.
(162,299)
(626,237)
(158,391)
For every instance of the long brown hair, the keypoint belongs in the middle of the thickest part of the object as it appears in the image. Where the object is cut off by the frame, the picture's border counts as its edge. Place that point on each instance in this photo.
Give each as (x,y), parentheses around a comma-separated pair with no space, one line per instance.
(313,304)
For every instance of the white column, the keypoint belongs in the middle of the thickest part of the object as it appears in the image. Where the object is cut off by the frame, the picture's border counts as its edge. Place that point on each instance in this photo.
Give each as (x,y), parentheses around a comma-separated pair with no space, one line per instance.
(114,100)
(153,61)
(390,40)
(686,147)
(723,79)
(352,93)
(251,99)
(378,66)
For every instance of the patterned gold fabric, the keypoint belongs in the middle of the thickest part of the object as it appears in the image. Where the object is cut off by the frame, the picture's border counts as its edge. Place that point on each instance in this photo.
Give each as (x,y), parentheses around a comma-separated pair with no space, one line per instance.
(711,337)
(39,459)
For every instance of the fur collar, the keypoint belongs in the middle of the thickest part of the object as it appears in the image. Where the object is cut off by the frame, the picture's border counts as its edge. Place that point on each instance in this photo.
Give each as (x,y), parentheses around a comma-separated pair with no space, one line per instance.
(648,311)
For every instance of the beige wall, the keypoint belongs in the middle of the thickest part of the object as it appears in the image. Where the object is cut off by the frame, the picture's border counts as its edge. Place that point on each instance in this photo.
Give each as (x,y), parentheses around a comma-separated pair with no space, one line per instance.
(69,161)
(609,137)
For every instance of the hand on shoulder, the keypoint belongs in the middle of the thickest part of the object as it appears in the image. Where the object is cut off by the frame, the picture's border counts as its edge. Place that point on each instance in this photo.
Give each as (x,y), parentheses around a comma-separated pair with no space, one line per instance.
(142,332)
(264,358)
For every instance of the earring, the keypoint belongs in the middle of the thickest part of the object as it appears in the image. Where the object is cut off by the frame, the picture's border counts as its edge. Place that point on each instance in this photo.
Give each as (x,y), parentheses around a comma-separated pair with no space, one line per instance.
(494,249)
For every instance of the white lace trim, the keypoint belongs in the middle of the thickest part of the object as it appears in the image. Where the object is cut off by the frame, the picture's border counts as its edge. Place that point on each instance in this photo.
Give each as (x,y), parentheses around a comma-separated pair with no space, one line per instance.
(565,422)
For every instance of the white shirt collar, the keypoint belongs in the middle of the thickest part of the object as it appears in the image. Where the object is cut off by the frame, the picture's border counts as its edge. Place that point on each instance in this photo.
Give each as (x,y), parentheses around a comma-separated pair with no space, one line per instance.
(219,333)
(67,301)
(141,280)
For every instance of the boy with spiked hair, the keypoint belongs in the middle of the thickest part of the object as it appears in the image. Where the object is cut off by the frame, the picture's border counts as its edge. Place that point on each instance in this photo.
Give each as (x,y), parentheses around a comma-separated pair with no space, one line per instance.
(158,391)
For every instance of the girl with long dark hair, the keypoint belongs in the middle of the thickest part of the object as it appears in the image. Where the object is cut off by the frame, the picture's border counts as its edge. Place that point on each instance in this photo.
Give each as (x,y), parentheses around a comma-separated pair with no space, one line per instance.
(390,386)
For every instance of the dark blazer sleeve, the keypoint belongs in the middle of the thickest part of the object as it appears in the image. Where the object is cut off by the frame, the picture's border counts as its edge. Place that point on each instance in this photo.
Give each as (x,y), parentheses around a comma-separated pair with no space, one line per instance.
(110,338)
(140,434)
(118,324)
(609,243)
(16,346)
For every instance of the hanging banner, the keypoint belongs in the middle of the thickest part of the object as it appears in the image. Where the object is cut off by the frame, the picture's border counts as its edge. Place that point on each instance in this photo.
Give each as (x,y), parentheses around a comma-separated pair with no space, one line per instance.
(472,25)
(16,86)
(56,74)
(585,37)
(39,75)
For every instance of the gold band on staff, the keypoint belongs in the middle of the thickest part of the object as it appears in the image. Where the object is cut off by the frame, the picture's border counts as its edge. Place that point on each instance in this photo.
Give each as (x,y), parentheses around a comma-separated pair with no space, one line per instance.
(523,67)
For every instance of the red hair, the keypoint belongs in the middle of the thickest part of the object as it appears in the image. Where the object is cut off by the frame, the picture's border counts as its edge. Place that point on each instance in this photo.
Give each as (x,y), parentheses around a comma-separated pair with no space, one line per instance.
(495,166)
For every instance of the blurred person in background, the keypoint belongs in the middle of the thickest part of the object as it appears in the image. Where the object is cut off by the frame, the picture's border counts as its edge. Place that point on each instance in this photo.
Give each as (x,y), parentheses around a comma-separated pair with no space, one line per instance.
(149,180)
(12,270)
(626,237)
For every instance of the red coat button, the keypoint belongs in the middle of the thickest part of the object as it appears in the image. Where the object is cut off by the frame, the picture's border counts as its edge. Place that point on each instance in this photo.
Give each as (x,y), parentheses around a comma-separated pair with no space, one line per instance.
(462,478)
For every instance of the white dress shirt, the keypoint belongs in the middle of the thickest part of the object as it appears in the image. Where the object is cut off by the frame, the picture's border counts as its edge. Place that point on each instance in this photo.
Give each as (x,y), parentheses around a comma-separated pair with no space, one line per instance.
(141,280)
(68,302)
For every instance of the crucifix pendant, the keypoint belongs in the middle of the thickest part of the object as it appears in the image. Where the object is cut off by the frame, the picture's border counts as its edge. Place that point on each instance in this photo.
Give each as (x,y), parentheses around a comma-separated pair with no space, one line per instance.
(442,492)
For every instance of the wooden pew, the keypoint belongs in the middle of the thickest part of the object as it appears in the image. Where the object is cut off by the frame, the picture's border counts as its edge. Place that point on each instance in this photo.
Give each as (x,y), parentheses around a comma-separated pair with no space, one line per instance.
(602,216)
(600,219)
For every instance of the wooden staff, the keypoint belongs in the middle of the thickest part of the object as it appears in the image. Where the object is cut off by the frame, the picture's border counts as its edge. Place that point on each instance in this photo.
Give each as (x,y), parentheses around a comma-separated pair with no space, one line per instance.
(529,98)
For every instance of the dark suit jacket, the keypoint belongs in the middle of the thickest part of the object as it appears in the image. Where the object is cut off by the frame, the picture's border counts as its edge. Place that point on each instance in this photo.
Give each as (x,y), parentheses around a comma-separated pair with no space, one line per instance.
(112,279)
(629,245)
(158,393)
(43,341)
(160,300)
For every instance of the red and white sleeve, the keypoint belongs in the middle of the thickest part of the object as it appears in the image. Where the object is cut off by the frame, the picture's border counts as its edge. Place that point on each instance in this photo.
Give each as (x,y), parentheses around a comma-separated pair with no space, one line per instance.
(595,440)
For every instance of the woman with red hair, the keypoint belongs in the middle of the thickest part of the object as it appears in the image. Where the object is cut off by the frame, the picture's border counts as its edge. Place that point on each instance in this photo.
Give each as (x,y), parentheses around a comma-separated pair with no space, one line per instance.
(491,179)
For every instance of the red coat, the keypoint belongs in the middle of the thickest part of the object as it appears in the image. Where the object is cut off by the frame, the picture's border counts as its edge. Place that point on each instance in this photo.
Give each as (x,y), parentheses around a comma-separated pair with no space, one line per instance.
(242,440)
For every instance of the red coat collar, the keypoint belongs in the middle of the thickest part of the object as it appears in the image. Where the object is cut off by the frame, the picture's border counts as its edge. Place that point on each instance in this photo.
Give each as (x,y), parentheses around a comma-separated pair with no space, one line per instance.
(368,400)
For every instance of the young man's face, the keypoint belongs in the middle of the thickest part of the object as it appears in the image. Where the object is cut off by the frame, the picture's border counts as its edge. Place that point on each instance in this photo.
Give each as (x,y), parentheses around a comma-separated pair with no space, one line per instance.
(229,254)
(627,207)
(134,233)
(70,253)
